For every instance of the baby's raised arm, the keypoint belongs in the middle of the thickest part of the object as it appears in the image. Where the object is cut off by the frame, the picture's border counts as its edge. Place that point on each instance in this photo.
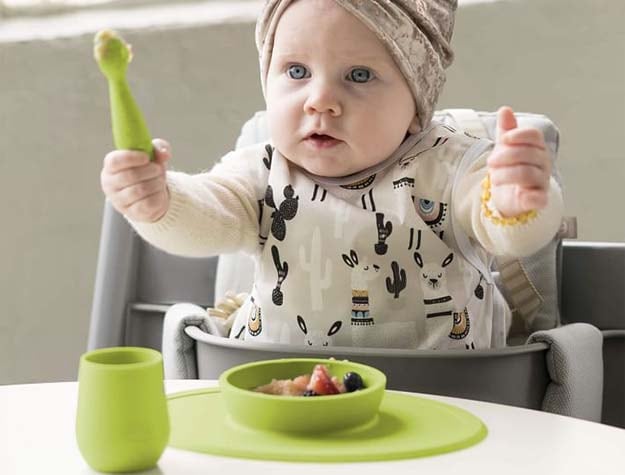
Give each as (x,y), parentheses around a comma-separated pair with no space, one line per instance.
(194,215)
(133,177)
(511,206)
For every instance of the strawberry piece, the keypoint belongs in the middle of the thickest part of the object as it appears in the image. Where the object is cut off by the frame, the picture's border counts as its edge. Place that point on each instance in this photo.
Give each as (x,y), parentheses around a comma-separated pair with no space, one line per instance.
(320,381)
(339,384)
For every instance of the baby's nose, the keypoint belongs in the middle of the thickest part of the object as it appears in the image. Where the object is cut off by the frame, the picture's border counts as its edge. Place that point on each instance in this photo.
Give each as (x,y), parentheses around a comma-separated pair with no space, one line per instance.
(323,99)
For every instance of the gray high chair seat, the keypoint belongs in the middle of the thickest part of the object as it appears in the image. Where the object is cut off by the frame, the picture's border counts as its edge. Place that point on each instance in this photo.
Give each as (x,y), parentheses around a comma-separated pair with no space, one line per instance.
(558,370)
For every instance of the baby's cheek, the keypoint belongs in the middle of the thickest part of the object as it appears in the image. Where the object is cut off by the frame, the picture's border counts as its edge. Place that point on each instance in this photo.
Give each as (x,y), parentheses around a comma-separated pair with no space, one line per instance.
(384,137)
(275,124)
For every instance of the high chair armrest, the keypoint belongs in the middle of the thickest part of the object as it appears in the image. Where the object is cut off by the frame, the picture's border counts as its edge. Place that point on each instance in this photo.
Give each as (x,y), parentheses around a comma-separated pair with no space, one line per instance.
(575,366)
(179,358)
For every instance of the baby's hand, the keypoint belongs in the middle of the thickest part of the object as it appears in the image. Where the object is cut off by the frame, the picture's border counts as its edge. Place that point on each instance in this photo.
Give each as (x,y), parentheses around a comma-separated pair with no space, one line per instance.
(519,167)
(135,186)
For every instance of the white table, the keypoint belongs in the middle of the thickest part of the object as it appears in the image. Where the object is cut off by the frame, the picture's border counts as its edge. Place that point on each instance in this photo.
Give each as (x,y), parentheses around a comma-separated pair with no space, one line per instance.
(37,437)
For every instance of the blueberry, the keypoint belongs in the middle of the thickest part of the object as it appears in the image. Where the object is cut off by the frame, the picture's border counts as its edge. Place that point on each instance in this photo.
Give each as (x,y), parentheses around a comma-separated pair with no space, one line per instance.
(353,382)
(309,392)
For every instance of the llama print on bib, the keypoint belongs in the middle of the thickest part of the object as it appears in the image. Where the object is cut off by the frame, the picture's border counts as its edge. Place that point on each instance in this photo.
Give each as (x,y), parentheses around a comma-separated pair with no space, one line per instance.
(436,297)
(316,337)
(445,326)
(362,273)
(254,319)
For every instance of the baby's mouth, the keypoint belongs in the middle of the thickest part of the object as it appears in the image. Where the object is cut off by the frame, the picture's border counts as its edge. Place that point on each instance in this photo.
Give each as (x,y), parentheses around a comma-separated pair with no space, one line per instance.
(321,141)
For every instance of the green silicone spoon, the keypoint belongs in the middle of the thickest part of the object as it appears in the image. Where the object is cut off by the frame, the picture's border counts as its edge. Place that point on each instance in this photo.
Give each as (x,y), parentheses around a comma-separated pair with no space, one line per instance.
(130,131)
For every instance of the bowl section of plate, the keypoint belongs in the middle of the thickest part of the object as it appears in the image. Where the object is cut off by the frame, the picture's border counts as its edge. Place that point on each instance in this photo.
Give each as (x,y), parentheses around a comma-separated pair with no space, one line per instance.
(299,414)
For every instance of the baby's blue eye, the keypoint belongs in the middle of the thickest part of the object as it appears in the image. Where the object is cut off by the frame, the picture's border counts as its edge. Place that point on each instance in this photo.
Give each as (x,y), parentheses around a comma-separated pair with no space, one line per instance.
(360,75)
(297,71)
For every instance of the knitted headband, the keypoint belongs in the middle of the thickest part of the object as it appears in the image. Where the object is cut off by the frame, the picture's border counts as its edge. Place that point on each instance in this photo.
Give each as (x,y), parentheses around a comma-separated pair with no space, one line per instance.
(417,34)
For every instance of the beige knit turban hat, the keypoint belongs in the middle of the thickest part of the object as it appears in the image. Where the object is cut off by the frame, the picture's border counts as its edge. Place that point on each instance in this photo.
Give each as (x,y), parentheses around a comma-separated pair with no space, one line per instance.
(417,33)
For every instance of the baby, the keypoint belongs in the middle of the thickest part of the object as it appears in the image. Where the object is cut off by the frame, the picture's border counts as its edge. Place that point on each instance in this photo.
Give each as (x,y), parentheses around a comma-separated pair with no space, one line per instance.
(370,224)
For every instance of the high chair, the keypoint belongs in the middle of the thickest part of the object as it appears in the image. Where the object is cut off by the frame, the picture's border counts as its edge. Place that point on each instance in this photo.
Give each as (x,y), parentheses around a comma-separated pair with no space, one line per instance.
(146,297)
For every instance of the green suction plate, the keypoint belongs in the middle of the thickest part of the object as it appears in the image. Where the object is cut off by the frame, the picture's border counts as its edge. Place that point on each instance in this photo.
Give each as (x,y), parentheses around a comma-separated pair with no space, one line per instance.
(405,427)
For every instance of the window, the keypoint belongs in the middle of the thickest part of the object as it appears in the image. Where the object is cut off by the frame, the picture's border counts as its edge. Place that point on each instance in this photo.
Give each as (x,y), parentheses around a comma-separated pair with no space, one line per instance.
(13,8)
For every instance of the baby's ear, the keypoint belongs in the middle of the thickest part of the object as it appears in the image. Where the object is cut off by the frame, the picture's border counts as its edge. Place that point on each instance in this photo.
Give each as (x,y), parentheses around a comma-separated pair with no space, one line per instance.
(414,127)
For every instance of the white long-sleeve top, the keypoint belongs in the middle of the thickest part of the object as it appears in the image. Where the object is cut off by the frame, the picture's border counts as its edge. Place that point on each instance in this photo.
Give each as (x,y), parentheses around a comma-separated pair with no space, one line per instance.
(395,256)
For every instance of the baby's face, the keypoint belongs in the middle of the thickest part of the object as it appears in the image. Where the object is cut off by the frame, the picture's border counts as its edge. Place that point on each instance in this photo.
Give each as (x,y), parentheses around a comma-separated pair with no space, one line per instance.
(336,101)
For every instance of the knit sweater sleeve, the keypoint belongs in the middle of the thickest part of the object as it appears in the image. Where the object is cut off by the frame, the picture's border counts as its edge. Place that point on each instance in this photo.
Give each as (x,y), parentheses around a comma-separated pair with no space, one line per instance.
(499,237)
(214,212)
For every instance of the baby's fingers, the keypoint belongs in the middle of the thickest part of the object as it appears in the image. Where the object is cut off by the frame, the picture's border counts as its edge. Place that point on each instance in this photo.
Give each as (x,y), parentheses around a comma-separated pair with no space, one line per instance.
(119,160)
(513,200)
(133,194)
(526,176)
(162,150)
(530,199)
(130,176)
(505,156)
(527,136)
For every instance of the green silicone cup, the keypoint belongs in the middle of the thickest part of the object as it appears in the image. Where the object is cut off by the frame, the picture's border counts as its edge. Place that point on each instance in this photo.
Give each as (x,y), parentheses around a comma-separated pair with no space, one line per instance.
(122,423)
(295,413)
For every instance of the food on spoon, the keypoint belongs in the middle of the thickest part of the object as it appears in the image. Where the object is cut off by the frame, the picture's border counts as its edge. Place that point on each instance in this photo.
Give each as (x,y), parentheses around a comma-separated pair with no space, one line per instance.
(130,131)
(319,383)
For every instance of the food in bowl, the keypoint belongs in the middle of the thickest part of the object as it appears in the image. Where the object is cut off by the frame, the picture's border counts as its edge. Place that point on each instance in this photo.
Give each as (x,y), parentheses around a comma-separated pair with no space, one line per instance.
(318,383)
(304,415)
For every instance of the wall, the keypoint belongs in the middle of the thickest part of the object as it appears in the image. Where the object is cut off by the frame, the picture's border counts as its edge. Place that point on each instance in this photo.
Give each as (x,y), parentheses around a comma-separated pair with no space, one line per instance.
(198,81)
